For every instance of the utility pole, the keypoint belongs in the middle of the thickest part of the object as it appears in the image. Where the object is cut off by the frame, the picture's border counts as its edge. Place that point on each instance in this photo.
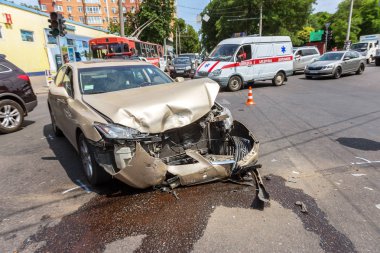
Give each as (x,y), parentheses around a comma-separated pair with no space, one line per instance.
(261,20)
(176,39)
(327,25)
(121,18)
(349,24)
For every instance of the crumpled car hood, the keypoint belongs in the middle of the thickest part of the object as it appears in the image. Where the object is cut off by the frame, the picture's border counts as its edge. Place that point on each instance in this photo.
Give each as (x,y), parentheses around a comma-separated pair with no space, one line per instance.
(157,108)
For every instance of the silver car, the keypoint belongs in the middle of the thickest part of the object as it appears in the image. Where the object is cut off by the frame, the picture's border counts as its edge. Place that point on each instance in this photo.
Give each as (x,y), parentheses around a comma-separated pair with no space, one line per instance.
(304,56)
(334,64)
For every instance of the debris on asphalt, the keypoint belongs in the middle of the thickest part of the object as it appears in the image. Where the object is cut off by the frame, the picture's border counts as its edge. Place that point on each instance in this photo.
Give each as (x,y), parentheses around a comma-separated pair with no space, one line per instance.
(267,177)
(302,205)
(273,160)
(295,172)
(292,179)
(368,188)
(378,206)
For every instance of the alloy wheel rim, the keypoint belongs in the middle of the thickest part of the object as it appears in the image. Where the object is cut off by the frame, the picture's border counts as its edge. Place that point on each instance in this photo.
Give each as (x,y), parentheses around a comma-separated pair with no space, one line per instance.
(9,116)
(86,158)
(278,79)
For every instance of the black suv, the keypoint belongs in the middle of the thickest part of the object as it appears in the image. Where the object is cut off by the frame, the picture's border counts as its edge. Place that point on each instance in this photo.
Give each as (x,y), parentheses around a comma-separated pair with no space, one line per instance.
(16,96)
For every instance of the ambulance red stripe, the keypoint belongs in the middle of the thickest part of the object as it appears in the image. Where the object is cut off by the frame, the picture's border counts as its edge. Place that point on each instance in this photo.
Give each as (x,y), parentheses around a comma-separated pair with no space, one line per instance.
(200,66)
(259,61)
(213,66)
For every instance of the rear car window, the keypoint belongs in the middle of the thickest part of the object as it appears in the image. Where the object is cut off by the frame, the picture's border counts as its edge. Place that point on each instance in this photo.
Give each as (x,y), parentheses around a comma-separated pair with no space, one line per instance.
(4,69)
(114,78)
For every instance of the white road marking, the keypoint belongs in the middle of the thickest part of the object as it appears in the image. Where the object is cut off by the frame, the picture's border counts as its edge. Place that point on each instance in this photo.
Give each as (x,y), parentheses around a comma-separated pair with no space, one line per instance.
(365,187)
(295,172)
(72,189)
(358,175)
(378,206)
(366,161)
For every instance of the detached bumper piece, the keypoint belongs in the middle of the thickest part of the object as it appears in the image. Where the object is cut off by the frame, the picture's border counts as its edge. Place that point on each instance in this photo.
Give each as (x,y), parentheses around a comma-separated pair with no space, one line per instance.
(210,149)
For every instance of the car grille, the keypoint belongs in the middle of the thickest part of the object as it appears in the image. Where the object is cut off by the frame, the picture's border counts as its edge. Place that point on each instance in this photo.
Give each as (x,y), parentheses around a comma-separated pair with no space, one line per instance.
(179,69)
(315,68)
(203,73)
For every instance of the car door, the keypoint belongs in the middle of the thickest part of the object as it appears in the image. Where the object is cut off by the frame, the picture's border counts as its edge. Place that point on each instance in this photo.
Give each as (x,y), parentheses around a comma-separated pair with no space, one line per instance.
(67,105)
(245,66)
(53,97)
(263,67)
(298,59)
(5,78)
(347,63)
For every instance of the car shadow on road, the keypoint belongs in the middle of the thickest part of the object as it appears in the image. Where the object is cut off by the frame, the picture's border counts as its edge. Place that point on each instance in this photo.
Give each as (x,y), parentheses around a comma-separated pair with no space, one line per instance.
(359,143)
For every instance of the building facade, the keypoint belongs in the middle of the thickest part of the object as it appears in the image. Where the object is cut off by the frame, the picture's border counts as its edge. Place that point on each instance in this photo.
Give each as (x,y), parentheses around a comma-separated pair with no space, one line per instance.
(96,13)
(25,39)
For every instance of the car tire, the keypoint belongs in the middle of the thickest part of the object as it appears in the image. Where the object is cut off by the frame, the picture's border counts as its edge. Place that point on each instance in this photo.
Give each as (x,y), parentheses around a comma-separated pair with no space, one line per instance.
(360,69)
(377,61)
(235,83)
(11,116)
(308,77)
(278,79)
(57,132)
(337,73)
(95,174)
(370,60)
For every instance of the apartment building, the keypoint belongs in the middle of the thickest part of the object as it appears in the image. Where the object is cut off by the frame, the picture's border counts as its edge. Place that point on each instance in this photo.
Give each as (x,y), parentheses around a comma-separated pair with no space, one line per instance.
(96,13)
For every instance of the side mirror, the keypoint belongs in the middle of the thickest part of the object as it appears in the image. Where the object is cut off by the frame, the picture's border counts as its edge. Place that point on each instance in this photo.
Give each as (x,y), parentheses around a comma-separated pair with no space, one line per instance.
(314,59)
(346,58)
(58,91)
(179,79)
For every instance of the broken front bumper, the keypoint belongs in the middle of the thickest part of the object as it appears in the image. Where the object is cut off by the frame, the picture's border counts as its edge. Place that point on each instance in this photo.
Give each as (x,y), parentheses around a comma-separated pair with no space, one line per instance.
(138,168)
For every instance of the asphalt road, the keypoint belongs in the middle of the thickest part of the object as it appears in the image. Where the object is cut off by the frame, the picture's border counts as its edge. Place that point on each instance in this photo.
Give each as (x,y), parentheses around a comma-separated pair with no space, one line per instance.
(320,145)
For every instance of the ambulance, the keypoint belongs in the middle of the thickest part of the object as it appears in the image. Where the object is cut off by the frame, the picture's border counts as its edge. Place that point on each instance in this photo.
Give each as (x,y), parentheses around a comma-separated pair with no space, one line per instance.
(236,62)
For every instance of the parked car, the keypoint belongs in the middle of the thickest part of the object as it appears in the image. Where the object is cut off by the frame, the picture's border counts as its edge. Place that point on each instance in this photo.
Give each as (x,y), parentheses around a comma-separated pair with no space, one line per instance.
(182,66)
(334,64)
(195,59)
(304,56)
(17,98)
(130,121)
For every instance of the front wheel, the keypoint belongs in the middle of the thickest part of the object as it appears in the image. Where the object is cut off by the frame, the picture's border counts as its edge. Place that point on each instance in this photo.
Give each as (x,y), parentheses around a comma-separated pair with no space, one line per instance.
(337,73)
(11,116)
(279,79)
(360,69)
(94,173)
(235,83)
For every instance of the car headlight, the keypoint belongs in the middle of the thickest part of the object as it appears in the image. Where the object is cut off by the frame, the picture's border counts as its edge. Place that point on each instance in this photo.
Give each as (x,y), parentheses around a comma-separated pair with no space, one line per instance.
(328,67)
(216,72)
(187,67)
(113,131)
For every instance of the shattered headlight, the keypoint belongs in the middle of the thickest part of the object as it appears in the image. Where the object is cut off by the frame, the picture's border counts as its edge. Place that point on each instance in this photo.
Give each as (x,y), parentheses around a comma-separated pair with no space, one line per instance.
(113,131)
(228,123)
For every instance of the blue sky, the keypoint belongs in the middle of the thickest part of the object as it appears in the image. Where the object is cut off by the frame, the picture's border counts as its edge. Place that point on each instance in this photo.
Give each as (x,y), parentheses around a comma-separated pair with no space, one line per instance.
(188,9)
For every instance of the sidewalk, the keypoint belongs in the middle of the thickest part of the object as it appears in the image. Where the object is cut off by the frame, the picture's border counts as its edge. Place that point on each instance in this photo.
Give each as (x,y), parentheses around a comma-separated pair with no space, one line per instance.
(39,84)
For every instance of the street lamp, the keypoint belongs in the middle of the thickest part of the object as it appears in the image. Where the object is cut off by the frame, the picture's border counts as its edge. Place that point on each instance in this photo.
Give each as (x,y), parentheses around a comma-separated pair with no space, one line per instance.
(347,44)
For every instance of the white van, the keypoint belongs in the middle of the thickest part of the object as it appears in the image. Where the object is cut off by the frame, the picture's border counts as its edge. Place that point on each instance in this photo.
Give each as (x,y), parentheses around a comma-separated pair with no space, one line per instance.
(367,46)
(238,61)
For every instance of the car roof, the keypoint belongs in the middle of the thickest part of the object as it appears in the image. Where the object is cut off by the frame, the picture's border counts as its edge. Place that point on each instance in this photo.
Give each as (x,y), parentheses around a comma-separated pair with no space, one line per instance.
(305,47)
(107,63)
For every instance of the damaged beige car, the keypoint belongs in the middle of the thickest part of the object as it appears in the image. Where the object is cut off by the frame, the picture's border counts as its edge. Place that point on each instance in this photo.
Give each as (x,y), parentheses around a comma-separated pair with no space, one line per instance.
(130,121)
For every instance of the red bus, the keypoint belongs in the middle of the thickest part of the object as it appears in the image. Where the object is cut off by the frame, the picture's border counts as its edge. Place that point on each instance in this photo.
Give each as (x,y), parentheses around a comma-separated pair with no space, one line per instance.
(110,46)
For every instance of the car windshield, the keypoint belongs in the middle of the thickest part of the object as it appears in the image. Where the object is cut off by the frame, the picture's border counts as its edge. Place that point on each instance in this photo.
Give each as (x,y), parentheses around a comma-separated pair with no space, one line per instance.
(182,60)
(359,47)
(115,78)
(192,56)
(331,57)
(223,52)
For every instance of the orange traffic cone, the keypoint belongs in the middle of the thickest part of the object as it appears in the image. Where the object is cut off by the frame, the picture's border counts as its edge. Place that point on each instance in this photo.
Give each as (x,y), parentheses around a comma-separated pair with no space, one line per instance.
(250,97)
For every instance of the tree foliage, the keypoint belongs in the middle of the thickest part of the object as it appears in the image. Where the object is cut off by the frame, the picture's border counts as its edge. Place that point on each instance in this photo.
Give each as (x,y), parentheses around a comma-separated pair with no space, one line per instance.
(280,17)
(188,39)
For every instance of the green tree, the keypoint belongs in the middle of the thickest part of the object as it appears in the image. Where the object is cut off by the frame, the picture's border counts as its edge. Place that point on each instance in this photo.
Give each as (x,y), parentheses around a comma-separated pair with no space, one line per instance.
(303,36)
(319,19)
(188,39)
(280,17)
(370,12)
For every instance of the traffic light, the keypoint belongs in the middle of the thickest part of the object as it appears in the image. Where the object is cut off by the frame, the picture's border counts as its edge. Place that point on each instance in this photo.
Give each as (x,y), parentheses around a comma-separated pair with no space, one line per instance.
(330,35)
(54,26)
(61,25)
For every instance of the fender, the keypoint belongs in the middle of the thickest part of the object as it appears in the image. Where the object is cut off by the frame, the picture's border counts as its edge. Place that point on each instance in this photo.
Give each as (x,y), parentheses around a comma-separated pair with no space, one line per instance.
(16,98)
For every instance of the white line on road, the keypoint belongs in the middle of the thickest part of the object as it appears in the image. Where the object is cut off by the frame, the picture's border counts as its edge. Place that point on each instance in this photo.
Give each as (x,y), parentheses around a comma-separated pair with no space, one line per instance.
(72,189)
(365,187)
(365,161)
(358,175)
(378,206)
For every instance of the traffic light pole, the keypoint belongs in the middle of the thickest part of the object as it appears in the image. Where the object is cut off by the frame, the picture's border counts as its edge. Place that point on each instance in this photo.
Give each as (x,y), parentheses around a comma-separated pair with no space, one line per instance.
(60,50)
